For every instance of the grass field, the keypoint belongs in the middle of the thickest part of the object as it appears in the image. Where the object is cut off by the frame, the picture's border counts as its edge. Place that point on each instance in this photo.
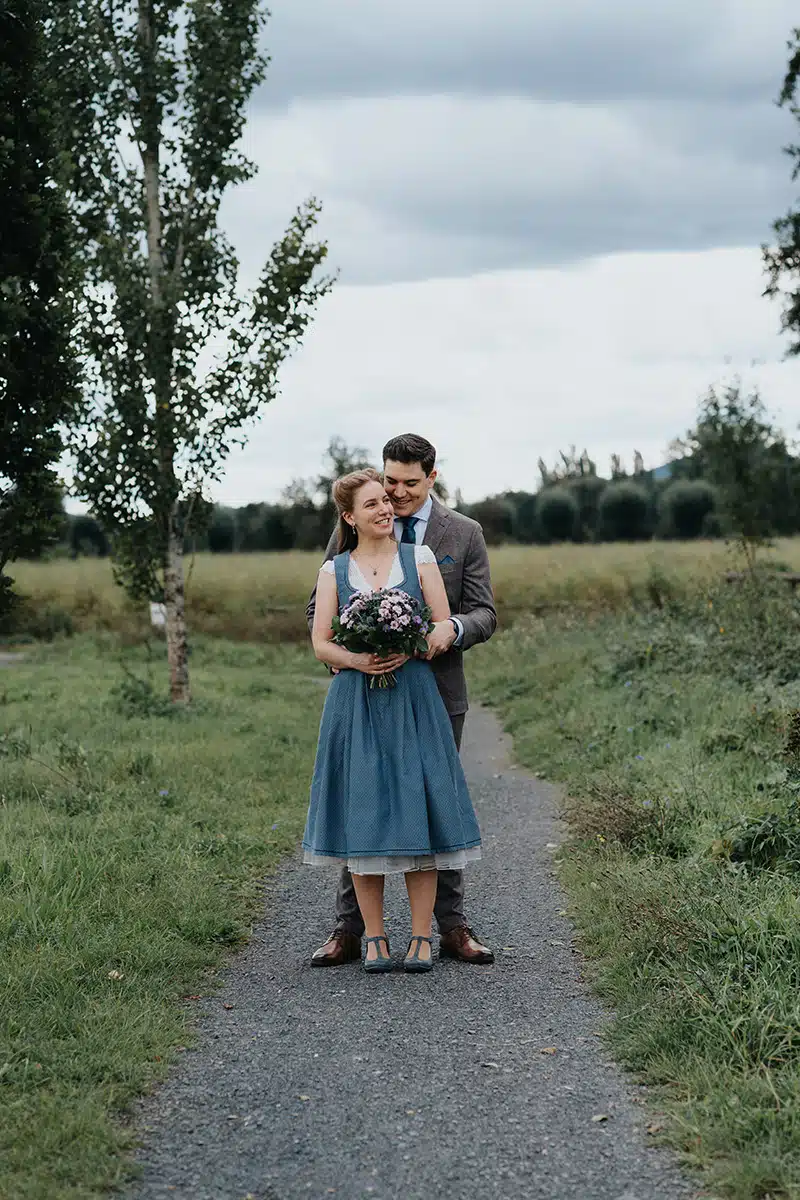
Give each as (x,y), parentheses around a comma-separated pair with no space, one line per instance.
(262,597)
(133,842)
(678,736)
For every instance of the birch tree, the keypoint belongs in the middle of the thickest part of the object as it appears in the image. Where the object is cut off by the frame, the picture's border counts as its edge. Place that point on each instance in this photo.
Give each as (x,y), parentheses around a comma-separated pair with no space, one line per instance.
(154,102)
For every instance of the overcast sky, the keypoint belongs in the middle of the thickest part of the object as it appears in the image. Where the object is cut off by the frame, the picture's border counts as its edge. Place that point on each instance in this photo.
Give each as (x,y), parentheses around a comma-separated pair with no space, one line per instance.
(546,219)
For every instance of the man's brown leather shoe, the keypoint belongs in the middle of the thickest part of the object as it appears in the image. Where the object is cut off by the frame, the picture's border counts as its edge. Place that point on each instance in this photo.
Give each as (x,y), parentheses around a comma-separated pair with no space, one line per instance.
(340,948)
(463,944)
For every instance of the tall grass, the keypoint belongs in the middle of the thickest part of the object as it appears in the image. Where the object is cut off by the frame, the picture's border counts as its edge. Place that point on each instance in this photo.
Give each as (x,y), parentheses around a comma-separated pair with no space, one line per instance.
(133,843)
(262,597)
(677,733)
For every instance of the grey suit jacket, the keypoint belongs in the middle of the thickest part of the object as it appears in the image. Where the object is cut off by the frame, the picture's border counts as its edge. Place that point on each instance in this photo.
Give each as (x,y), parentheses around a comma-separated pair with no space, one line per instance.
(457,541)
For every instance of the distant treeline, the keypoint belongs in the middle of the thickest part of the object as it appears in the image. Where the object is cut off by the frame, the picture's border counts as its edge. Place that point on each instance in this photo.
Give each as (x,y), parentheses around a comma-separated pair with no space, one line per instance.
(571,503)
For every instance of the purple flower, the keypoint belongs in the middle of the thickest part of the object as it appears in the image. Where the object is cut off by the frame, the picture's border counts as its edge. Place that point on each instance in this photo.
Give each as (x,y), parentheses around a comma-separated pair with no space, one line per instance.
(640,757)
(164,792)
(275,826)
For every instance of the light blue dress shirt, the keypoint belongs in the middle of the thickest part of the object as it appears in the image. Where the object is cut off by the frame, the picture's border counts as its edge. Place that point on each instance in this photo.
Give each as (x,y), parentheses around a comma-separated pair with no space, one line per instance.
(422,516)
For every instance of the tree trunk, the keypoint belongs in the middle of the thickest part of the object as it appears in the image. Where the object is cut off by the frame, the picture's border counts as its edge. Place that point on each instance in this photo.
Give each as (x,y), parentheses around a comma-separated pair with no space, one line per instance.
(160,357)
(177,651)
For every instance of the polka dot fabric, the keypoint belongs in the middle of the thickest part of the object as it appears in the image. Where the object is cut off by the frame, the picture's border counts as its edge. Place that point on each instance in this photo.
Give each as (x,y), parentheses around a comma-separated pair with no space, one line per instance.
(388,786)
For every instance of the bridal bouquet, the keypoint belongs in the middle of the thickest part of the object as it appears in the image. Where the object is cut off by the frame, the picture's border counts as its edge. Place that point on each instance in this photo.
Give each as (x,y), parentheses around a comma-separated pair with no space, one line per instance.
(384,623)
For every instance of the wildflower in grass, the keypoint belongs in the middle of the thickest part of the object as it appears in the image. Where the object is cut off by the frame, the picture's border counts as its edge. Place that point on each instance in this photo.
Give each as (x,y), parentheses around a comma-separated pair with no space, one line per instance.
(628,683)
(164,792)
(640,757)
(275,826)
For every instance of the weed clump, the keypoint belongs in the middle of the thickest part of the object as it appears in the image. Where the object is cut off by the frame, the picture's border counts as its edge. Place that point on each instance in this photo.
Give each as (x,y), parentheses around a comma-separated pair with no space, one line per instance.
(134,697)
(644,821)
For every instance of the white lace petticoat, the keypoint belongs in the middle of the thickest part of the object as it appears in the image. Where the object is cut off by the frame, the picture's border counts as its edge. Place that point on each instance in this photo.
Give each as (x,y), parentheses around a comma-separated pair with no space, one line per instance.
(396,864)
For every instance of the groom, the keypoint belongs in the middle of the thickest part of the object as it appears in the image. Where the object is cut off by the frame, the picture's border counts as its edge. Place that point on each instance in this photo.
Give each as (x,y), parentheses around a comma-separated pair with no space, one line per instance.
(409,465)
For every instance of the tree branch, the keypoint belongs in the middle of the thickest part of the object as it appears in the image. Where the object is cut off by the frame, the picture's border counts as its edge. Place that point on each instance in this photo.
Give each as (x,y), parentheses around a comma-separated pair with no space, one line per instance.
(180,248)
(116,58)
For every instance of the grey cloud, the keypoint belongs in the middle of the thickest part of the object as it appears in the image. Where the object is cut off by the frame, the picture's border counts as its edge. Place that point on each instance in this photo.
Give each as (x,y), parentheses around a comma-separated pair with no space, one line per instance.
(574,49)
(460,136)
(420,186)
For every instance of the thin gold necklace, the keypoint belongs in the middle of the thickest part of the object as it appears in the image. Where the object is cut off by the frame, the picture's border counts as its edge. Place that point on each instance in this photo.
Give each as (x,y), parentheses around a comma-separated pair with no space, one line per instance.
(369,564)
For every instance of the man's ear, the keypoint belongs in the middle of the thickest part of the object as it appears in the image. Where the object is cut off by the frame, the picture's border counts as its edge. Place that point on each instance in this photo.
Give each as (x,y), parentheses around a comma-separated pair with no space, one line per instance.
(433,477)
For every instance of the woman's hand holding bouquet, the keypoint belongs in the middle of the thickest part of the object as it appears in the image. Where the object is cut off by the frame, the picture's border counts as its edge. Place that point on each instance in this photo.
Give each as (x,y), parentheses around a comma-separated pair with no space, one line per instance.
(383,624)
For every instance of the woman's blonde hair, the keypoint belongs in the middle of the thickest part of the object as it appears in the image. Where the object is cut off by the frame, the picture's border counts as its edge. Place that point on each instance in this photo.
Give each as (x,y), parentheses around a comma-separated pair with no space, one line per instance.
(344,495)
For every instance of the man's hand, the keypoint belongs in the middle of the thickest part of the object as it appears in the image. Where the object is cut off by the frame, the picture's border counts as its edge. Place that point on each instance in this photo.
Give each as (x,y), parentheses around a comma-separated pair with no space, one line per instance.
(440,639)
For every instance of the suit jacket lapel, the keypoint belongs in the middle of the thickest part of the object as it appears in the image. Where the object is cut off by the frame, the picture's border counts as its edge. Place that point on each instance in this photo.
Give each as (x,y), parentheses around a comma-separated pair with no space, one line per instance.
(437,526)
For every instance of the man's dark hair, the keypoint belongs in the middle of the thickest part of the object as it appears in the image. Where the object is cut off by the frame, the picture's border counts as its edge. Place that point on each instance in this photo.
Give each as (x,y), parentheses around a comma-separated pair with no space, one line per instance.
(411,448)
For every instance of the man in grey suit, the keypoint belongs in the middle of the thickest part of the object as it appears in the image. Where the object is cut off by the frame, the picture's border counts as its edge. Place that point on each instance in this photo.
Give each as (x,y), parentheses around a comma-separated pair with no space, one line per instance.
(409,464)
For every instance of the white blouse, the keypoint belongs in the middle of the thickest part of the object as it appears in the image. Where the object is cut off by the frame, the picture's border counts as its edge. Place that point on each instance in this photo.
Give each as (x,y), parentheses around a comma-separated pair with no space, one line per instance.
(422,555)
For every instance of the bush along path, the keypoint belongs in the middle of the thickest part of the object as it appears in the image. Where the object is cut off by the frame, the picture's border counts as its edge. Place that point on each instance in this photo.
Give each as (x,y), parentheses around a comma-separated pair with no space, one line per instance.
(470,1082)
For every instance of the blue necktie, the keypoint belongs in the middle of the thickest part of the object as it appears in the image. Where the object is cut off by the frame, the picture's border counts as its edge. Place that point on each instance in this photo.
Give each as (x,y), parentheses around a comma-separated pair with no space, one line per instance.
(408,524)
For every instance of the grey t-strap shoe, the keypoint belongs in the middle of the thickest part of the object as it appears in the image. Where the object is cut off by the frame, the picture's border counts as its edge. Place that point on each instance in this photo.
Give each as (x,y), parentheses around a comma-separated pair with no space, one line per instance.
(413,962)
(377,966)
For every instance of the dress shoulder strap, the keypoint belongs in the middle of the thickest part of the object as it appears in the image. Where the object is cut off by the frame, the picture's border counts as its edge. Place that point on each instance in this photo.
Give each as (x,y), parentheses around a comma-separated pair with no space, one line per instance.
(408,561)
(341,567)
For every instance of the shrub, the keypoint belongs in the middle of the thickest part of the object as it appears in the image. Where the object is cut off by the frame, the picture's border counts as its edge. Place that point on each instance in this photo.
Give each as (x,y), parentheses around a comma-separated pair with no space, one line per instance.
(685,506)
(624,513)
(496,518)
(587,490)
(222,532)
(558,515)
(87,536)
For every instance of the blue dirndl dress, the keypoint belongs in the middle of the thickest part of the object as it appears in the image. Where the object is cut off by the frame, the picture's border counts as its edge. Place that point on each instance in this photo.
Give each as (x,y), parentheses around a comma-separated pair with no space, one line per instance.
(388,792)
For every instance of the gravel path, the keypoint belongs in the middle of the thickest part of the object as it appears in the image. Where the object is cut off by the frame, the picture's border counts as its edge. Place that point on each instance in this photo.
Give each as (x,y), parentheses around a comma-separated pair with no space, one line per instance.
(318,1083)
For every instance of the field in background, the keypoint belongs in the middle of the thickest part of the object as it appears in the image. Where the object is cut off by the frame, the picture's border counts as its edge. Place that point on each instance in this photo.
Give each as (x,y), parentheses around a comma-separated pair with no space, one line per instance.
(262,597)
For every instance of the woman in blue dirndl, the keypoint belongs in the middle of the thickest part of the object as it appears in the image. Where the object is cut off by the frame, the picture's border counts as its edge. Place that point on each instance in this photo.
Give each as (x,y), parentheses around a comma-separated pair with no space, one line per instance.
(388,793)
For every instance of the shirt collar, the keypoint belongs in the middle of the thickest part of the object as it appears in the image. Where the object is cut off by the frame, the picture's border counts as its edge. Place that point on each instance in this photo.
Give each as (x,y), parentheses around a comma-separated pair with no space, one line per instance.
(424,513)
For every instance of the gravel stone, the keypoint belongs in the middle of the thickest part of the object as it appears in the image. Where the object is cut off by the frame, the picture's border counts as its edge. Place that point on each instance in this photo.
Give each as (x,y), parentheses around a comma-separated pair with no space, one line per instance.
(476,1083)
